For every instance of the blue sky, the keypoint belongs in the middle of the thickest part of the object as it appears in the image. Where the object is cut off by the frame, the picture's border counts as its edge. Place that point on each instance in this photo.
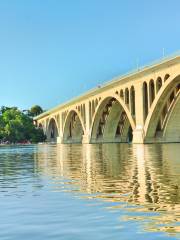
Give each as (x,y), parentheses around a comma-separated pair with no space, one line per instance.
(53,50)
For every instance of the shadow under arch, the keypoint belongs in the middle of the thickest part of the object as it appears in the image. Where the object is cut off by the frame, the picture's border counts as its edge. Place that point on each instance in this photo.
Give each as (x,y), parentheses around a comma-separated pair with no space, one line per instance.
(52,131)
(171,131)
(112,121)
(73,130)
(41,126)
(161,104)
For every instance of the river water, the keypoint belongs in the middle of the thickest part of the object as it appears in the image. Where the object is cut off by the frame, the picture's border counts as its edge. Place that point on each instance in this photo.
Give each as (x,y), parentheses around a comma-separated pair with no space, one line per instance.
(74,192)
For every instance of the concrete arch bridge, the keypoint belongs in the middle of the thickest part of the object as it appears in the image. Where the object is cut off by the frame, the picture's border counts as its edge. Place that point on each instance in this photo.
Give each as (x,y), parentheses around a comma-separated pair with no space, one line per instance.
(142,107)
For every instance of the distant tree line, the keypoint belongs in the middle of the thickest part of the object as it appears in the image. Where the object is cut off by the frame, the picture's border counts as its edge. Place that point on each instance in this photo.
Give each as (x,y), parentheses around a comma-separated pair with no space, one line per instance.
(17,126)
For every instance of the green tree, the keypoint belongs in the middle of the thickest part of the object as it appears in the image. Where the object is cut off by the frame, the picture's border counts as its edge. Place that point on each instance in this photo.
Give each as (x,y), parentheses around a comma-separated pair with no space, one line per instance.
(35,110)
(4,109)
(15,126)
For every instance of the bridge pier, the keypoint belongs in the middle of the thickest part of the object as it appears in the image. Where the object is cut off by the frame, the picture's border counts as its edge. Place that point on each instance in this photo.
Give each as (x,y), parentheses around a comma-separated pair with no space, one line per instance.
(86,139)
(59,139)
(138,132)
(138,135)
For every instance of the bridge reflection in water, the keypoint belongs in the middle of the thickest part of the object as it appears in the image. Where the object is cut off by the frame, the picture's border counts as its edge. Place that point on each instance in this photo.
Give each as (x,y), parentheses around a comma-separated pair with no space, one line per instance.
(141,178)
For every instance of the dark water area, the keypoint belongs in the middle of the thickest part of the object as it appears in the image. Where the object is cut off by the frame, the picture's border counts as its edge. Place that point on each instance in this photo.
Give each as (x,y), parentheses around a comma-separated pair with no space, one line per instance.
(105,191)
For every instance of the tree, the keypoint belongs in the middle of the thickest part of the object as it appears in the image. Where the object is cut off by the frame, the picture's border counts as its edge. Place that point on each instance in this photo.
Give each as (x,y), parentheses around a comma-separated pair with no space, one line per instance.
(4,109)
(15,126)
(35,110)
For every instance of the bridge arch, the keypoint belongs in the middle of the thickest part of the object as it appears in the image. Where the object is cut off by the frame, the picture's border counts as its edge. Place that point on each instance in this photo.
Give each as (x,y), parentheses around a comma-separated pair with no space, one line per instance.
(145,100)
(132,101)
(73,129)
(171,131)
(166,77)
(52,131)
(158,84)
(151,91)
(122,94)
(127,96)
(162,108)
(112,121)
(42,126)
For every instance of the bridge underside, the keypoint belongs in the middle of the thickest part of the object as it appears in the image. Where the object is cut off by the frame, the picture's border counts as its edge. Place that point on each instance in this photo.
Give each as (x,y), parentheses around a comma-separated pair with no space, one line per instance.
(111,124)
(168,127)
(73,130)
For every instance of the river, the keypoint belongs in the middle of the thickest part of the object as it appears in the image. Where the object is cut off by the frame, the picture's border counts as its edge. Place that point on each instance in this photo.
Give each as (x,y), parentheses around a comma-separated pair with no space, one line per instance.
(105,191)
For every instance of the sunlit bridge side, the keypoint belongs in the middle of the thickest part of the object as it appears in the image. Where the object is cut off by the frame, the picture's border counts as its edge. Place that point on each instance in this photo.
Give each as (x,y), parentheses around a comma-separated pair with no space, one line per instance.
(141,107)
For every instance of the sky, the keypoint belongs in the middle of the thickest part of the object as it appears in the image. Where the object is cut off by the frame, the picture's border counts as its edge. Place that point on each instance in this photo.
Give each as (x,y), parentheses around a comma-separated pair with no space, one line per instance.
(54,50)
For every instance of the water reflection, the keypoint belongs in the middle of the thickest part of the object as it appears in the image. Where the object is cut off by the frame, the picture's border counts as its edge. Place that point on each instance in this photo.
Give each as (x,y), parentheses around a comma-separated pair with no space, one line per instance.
(147,177)
(17,170)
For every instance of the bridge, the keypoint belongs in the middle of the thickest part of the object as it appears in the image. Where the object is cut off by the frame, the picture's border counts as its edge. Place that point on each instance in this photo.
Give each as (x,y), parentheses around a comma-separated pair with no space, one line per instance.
(140,107)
